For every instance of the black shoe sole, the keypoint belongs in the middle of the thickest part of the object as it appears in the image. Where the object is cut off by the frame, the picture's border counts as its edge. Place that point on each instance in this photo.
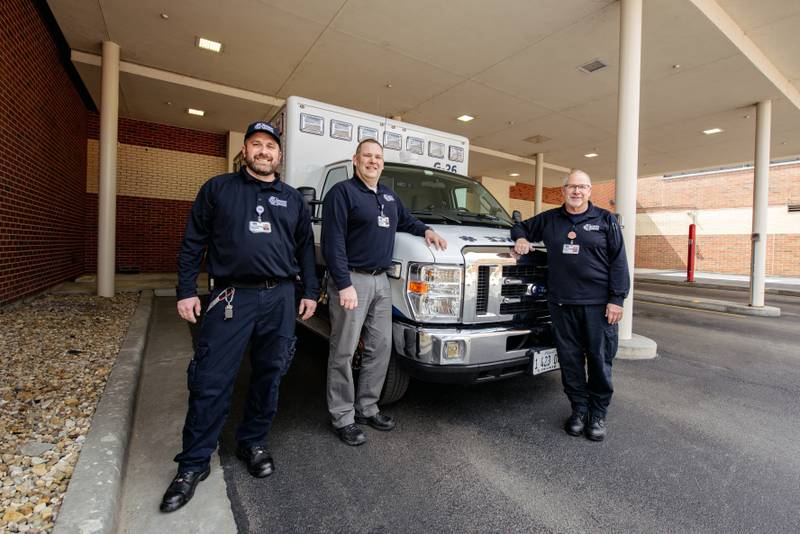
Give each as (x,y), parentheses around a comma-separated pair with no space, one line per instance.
(574,433)
(254,474)
(165,508)
(595,438)
(366,421)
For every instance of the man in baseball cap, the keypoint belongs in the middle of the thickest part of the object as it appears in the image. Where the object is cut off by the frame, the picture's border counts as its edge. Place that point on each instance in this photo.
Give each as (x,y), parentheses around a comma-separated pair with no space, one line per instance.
(266,127)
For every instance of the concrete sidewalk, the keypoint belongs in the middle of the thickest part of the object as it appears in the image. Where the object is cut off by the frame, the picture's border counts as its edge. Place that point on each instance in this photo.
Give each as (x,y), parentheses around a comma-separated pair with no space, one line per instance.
(775,285)
(156,438)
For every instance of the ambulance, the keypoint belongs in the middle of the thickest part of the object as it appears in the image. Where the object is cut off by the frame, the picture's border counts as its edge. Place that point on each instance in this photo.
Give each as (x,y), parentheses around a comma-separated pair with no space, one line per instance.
(472,313)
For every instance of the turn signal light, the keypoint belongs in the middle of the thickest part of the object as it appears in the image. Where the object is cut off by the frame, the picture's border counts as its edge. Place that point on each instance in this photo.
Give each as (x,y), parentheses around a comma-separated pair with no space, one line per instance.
(418,287)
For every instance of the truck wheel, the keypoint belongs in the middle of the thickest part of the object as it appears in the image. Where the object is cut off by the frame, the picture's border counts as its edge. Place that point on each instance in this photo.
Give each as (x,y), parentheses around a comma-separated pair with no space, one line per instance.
(396,382)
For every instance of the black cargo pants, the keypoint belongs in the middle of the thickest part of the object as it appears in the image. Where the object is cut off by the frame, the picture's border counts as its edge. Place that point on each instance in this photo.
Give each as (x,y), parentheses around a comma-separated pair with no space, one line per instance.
(585,342)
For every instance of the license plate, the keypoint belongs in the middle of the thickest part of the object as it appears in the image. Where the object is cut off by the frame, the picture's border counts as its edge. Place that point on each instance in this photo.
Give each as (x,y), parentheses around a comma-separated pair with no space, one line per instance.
(543,361)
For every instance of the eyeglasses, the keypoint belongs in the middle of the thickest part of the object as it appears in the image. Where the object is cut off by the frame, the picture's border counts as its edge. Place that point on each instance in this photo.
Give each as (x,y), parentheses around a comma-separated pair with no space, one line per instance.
(573,187)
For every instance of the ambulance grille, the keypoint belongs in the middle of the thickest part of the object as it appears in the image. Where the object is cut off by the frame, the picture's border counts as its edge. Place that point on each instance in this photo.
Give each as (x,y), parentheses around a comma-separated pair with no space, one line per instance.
(482,298)
(498,289)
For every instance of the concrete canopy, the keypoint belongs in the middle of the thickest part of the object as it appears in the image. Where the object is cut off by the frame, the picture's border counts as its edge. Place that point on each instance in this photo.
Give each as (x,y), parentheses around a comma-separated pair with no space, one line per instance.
(511,64)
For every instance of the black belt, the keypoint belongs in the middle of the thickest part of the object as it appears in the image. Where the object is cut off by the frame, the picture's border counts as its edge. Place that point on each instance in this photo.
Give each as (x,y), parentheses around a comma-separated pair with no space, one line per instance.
(373,272)
(268,283)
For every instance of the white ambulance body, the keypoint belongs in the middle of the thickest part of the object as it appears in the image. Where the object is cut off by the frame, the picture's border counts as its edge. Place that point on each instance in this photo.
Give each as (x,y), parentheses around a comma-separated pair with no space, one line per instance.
(483,316)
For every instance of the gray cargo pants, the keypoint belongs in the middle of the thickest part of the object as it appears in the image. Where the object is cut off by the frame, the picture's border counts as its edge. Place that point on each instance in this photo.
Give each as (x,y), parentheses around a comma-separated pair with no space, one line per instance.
(374,315)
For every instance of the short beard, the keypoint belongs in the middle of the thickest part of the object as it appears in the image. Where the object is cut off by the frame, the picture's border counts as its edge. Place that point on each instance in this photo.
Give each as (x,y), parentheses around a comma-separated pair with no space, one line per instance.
(251,164)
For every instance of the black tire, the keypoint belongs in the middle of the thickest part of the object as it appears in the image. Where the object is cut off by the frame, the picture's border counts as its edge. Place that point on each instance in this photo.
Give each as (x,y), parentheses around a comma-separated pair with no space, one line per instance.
(396,383)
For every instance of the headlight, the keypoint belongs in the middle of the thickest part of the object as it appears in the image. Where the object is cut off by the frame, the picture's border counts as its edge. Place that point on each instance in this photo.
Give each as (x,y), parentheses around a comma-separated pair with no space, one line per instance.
(434,291)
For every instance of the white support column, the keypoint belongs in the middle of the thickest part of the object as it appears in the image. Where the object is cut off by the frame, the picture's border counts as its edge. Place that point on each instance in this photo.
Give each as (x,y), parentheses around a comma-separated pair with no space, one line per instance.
(107,195)
(630,55)
(537,203)
(758,257)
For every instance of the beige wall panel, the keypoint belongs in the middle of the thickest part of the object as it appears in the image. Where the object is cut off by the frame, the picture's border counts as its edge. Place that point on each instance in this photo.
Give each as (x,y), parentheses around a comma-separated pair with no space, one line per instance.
(498,189)
(155,172)
(715,222)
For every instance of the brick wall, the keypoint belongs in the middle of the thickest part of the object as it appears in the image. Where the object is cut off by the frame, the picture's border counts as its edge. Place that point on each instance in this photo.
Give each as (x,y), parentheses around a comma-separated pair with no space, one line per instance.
(705,195)
(43,128)
(719,253)
(148,134)
(602,194)
(149,233)
(159,171)
(155,172)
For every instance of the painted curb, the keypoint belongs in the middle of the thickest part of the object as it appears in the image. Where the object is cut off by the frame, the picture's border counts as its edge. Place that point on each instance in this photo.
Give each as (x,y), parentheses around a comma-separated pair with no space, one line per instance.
(706,304)
(94,495)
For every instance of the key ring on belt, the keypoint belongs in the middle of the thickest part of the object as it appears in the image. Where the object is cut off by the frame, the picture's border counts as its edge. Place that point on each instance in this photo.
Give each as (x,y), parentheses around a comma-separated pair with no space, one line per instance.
(226,295)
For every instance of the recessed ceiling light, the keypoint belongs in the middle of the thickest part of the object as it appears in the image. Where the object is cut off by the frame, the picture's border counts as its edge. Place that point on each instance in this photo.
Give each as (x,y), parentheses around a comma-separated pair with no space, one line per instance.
(198,112)
(712,131)
(513,174)
(590,155)
(465,118)
(164,15)
(208,44)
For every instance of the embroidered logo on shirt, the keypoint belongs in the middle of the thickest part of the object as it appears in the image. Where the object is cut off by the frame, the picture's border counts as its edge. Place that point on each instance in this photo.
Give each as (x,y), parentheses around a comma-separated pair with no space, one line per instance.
(388,198)
(275,201)
(591,227)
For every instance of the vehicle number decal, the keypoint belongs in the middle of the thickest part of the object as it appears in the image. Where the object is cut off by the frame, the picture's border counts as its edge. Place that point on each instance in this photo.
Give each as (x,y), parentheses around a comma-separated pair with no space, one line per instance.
(448,167)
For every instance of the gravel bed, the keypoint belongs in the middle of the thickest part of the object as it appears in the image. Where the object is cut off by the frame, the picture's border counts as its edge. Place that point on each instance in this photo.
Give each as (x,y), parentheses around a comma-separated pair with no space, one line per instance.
(56,352)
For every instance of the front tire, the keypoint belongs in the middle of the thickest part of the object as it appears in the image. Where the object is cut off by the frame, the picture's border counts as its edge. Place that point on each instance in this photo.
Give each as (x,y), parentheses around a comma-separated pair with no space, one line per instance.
(396,383)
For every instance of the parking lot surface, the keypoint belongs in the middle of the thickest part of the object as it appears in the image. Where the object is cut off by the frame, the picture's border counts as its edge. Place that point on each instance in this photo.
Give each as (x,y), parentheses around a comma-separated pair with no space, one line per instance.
(702,439)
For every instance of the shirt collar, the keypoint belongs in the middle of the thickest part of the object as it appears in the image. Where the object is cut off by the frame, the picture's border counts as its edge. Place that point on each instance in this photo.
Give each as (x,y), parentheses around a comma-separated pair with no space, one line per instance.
(590,212)
(361,185)
(276,184)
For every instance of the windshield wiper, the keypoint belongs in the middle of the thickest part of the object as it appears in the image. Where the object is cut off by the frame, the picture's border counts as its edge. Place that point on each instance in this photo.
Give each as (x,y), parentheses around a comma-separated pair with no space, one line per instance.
(492,220)
(440,216)
(479,215)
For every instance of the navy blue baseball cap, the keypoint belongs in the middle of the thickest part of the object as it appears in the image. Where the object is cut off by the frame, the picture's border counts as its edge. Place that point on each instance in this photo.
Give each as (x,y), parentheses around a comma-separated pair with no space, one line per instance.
(262,126)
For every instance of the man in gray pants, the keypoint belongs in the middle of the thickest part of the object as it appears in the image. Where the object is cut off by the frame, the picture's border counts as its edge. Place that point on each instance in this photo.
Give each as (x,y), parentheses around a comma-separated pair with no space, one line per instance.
(360,218)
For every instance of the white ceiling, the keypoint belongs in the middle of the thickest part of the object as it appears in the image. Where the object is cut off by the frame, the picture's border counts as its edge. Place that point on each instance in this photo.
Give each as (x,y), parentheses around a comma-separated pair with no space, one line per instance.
(510,63)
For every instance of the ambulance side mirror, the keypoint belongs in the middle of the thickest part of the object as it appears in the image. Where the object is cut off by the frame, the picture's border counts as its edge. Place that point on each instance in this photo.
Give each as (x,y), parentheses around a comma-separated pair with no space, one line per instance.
(311,202)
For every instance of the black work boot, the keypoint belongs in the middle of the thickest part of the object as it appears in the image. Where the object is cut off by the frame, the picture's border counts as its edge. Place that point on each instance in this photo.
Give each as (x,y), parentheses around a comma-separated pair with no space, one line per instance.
(181,489)
(596,429)
(351,434)
(258,459)
(575,424)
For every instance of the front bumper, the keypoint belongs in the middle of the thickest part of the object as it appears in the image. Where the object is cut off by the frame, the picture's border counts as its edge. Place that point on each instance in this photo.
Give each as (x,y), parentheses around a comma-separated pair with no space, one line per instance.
(467,355)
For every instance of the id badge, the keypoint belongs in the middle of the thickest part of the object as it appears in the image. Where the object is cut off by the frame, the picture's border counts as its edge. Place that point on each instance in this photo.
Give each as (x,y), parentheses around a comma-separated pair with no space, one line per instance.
(383,221)
(571,249)
(258,227)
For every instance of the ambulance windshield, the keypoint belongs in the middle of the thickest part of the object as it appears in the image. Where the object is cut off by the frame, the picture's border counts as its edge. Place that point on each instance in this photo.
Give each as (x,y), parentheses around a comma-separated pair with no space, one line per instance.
(435,196)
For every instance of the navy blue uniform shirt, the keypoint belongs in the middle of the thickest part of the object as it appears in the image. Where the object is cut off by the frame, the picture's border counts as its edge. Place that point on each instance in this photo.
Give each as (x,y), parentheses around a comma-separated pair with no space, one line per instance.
(351,236)
(220,220)
(598,274)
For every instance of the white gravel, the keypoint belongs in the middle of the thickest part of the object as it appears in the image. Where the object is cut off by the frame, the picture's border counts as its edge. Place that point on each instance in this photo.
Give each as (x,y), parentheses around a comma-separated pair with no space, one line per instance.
(56,352)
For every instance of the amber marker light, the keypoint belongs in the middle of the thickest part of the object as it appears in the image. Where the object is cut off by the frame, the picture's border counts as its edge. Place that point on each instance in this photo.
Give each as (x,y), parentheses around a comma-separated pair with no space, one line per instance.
(418,287)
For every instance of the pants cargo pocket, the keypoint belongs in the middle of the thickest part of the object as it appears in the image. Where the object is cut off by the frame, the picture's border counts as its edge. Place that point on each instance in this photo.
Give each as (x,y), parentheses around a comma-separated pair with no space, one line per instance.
(291,347)
(611,342)
(191,372)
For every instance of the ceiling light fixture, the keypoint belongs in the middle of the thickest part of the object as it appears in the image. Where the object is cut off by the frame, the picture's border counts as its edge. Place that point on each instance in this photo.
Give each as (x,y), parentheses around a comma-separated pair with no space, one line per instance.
(198,112)
(592,66)
(208,44)
(465,118)
(515,174)
(713,131)
(590,155)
